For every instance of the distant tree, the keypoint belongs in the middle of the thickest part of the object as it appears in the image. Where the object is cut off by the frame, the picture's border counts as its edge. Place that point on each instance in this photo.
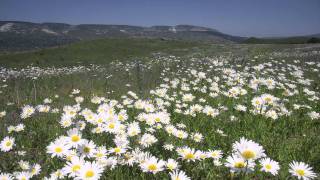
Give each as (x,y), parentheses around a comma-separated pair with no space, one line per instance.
(252,40)
(313,40)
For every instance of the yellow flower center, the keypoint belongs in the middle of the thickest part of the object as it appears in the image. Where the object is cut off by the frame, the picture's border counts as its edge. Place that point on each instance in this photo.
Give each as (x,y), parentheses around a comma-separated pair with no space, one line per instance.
(134,132)
(267,99)
(268,166)
(8,143)
(117,150)
(86,149)
(157,119)
(99,155)
(170,166)
(300,172)
(189,156)
(152,167)
(75,168)
(89,174)
(75,138)
(239,164)
(248,154)
(214,154)
(98,130)
(58,149)
(111,126)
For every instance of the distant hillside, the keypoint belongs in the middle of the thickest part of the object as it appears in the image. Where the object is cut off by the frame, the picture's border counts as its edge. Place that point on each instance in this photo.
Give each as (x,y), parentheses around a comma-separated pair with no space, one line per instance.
(15,35)
(315,35)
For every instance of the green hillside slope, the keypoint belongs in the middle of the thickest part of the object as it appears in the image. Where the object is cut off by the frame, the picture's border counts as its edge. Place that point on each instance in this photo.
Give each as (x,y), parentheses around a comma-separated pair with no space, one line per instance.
(96,51)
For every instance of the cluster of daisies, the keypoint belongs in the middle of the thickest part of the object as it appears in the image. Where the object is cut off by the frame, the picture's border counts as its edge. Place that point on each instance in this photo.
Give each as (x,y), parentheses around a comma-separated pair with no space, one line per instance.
(130,127)
(248,156)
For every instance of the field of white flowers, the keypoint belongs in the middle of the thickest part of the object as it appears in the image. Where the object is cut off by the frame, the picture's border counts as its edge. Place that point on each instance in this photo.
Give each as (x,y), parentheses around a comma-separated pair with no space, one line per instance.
(230,116)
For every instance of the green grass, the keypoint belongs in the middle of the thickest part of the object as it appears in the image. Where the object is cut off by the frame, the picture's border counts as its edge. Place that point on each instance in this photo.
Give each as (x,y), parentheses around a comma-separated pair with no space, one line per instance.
(99,51)
(295,137)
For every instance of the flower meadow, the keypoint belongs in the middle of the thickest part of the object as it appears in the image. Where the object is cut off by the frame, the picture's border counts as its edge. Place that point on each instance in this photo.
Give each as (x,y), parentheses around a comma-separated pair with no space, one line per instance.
(199,117)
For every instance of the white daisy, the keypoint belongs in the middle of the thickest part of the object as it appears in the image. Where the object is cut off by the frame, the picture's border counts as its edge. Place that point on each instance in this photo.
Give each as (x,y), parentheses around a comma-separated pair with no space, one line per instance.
(172,164)
(58,148)
(87,149)
(239,164)
(6,176)
(27,111)
(90,171)
(269,165)
(74,137)
(152,165)
(73,167)
(301,170)
(248,149)
(178,175)
(7,144)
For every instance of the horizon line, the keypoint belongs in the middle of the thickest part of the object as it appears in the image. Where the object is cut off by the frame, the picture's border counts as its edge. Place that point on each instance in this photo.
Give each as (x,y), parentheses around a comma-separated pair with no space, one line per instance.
(203,26)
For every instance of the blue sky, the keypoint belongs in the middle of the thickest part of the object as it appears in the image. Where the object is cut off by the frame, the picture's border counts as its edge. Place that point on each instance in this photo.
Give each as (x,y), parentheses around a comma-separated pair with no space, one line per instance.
(236,17)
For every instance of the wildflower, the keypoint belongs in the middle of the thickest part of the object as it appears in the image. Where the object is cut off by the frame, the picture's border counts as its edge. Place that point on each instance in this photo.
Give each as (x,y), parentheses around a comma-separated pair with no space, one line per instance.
(172,164)
(27,111)
(188,154)
(2,114)
(314,115)
(133,129)
(269,165)
(178,175)
(239,164)
(197,137)
(248,149)
(87,148)
(117,150)
(301,170)
(74,137)
(168,147)
(180,134)
(58,148)
(35,169)
(215,154)
(6,176)
(90,171)
(7,144)
(101,152)
(188,97)
(147,140)
(152,165)
(73,167)
(24,165)
(23,176)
